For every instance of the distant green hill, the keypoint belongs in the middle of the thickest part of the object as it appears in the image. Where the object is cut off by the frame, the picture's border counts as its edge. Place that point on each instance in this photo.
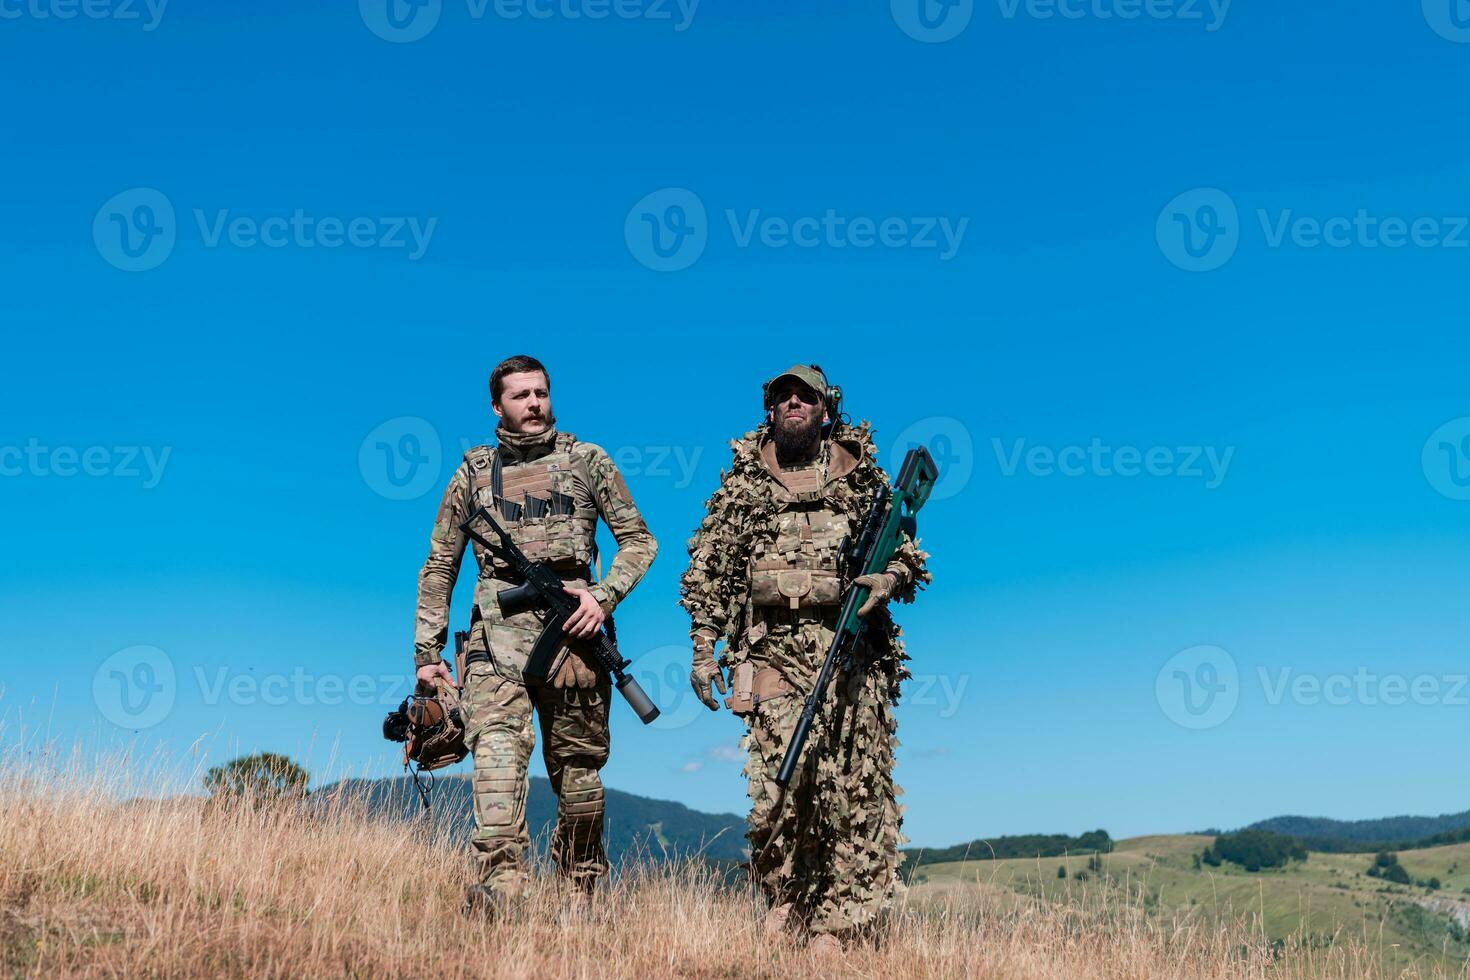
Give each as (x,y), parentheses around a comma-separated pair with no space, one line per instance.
(661,828)
(1365,831)
(1003,848)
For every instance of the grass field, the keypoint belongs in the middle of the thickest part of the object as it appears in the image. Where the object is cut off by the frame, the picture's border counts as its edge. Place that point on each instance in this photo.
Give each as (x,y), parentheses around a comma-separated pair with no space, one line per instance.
(1323,901)
(92,885)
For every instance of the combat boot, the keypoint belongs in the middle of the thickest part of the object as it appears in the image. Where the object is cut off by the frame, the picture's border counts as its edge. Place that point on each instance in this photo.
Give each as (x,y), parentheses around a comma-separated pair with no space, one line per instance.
(484,902)
(825,945)
(778,920)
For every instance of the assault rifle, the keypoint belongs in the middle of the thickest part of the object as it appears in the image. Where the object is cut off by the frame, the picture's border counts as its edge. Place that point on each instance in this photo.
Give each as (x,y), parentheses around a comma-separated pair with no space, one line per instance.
(891,516)
(541,591)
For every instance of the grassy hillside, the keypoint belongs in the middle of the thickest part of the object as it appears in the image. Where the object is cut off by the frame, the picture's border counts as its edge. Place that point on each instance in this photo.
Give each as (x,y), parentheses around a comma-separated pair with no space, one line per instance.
(176,887)
(1318,903)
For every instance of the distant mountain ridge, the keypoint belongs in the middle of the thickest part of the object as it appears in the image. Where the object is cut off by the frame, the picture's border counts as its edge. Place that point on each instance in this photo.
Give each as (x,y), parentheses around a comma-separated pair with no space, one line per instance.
(1378,831)
(662,829)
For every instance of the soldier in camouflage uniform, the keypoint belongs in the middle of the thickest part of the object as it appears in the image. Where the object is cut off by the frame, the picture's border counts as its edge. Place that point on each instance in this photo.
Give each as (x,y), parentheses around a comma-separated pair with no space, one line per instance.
(764,577)
(533,469)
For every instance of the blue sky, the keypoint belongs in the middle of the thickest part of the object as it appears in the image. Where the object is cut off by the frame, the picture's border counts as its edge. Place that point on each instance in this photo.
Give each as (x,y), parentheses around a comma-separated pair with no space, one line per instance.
(1222,249)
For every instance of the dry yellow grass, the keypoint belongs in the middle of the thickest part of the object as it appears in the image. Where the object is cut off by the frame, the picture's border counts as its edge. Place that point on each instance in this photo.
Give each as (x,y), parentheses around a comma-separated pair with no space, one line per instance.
(93,886)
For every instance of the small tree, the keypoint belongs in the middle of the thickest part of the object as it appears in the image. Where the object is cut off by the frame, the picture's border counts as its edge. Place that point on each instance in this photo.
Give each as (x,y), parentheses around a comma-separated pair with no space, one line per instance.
(262,777)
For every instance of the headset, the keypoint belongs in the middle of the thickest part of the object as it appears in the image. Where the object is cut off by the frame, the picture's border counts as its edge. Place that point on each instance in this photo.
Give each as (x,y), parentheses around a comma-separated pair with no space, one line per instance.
(831,396)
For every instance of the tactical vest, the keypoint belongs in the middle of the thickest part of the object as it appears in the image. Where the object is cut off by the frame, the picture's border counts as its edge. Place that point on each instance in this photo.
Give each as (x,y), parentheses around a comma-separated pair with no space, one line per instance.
(802,565)
(537,502)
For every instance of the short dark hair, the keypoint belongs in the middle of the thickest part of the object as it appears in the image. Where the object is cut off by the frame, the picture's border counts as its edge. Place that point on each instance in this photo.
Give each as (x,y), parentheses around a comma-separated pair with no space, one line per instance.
(516,364)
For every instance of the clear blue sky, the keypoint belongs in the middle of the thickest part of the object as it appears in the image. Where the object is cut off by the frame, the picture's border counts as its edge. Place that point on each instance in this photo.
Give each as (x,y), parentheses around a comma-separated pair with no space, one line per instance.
(254,531)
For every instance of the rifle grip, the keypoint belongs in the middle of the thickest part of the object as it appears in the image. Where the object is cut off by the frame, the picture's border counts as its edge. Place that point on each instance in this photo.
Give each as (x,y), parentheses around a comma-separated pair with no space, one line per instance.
(543,653)
(517,599)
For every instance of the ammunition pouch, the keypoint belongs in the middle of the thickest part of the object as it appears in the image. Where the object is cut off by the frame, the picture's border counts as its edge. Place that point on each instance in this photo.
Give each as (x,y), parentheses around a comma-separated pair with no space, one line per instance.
(750,686)
(775,582)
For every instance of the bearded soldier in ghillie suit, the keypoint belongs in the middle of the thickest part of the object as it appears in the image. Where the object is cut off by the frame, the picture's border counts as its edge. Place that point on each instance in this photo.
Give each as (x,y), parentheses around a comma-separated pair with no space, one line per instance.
(550,489)
(766,576)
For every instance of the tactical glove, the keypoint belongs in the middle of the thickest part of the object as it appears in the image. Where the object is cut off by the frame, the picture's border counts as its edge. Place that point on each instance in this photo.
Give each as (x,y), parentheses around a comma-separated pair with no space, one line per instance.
(880,586)
(574,671)
(706,670)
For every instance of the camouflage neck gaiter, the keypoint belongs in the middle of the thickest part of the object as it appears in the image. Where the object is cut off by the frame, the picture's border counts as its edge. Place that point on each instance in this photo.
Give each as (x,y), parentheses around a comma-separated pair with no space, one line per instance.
(520,446)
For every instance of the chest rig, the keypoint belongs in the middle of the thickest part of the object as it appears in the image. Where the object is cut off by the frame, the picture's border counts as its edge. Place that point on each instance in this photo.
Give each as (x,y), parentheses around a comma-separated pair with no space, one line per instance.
(798,562)
(545,503)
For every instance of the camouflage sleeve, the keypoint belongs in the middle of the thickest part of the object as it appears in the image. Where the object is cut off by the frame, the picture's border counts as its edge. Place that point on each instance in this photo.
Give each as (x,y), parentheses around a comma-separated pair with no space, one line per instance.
(910,566)
(636,546)
(718,555)
(441,569)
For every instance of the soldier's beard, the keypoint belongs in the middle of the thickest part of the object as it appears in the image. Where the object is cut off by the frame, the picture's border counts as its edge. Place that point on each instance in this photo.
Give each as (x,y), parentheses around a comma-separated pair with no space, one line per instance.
(796,440)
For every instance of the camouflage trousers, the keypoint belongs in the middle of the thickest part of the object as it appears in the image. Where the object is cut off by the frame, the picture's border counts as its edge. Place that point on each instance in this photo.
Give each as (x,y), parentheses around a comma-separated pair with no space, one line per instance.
(574,744)
(830,846)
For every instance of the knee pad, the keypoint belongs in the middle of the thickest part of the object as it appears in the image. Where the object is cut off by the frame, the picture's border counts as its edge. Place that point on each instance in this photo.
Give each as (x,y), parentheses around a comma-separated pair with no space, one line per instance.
(582,797)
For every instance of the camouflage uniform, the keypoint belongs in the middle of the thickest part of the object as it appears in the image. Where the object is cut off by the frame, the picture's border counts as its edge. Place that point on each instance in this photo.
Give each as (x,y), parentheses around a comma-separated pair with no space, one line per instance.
(764,577)
(497,699)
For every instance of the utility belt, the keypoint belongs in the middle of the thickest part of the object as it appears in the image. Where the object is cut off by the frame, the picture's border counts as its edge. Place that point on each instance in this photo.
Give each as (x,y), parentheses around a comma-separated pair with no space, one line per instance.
(824,615)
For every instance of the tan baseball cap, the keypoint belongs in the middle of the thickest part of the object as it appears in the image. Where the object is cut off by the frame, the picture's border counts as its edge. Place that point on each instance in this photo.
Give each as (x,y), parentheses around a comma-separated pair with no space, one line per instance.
(808,374)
